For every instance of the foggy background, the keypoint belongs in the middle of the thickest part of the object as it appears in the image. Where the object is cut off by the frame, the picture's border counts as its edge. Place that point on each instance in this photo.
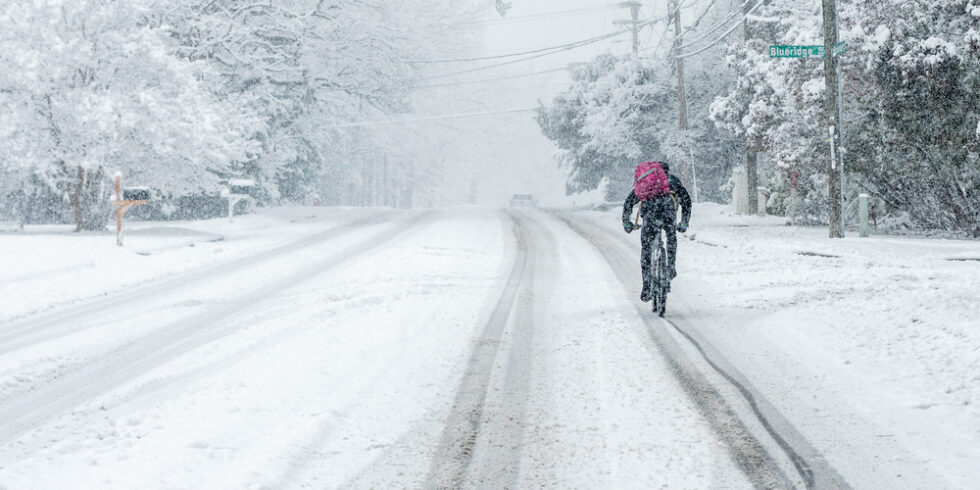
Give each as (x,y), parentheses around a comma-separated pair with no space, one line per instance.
(422,104)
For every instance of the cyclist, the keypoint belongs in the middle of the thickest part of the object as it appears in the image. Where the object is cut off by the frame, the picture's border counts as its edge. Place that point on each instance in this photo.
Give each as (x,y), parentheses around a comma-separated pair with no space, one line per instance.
(659,214)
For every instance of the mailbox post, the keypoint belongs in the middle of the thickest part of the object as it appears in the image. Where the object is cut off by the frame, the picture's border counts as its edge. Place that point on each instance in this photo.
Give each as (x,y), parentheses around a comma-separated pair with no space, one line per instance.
(238,190)
(125,199)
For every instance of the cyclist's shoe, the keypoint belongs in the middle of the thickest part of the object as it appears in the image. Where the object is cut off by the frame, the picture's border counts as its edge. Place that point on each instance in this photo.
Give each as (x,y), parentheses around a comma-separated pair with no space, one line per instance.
(645,295)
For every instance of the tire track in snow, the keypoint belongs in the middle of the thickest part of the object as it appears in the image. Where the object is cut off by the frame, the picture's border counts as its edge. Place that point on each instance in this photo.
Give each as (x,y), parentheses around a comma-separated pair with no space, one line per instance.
(216,365)
(27,411)
(813,468)
(499,455)
(453,459)
(64,321)
(749,453)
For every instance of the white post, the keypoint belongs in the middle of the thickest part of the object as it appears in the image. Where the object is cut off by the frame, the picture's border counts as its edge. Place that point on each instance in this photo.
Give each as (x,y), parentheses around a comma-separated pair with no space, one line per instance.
(118,206)
(740,194)
(840,169)
(694,173)
(833,154)
(762,200)
(792,205)
(231,209)
(863,212)
(840,121)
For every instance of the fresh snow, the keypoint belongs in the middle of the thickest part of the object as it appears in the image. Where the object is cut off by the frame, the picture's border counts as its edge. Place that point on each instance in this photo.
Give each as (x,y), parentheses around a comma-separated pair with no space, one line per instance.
(333,364)
(869,346)
(47,265)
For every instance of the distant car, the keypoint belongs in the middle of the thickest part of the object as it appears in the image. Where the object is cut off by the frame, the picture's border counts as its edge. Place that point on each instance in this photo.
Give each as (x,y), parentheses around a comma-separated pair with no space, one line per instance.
(523,200)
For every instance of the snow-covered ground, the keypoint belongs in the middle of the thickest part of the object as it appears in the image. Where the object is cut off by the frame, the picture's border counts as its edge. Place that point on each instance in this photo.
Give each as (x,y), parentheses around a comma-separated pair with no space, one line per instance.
(870,347)
(325,348)
(44,267)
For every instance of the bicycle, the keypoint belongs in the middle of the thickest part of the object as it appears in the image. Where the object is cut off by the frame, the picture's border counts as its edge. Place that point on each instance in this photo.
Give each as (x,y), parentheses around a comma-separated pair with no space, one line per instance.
(660,280)
(660,284)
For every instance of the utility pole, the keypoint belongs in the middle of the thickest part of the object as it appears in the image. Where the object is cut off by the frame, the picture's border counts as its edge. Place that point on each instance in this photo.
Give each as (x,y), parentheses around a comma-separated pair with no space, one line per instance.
(690,177)
(681,99)
(751,151)
(832,111)
(634,24)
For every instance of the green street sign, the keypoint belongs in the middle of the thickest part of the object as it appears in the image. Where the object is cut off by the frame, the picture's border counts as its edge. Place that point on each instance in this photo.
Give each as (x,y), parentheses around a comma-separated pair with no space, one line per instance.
(796,51)
(805,51)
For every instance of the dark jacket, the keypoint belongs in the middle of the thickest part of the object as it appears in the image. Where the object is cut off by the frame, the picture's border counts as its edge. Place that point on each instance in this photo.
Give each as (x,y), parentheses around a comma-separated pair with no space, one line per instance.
(677,191)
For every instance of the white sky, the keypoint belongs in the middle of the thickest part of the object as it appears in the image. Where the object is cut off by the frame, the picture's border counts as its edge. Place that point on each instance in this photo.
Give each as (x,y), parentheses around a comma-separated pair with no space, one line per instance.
(535,24)
(528,157)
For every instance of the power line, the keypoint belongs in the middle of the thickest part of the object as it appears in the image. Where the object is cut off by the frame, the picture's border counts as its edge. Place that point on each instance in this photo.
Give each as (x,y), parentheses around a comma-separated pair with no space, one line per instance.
(569,48)
(723,36)
(667,18)
(489,80)
(704,35)
(710,30)
(424,119)
(511,55)
(700,18)
(538,91)
(544,15)
(663,38)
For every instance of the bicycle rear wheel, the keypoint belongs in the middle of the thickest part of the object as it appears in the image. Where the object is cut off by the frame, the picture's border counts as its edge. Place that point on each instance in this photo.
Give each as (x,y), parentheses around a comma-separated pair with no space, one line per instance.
(660,282)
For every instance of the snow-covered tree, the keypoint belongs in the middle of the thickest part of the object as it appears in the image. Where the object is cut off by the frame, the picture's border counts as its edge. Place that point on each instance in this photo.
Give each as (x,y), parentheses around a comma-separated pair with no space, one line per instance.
(910,75)
(615,114)
(88,89)
(307,66)
(917,67)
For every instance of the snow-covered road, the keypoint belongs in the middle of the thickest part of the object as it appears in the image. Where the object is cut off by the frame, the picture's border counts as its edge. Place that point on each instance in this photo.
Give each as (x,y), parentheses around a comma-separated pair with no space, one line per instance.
(456,348)
(862,353)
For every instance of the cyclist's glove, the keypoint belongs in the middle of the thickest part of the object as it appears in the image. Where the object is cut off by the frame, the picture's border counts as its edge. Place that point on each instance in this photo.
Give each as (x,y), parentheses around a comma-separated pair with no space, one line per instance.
(682,227)
(628,226)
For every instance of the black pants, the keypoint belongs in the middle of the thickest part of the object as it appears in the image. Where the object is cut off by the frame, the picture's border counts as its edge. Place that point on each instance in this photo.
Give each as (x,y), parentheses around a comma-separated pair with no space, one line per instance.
(660,216)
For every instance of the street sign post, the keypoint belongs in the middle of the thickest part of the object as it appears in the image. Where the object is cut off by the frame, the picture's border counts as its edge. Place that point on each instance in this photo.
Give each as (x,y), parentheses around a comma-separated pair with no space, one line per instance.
(804,51)
(814,51)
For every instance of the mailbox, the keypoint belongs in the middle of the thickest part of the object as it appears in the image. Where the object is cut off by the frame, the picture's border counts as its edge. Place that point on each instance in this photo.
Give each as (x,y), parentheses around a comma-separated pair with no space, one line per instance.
(238,190)
(136,194)
(241,187)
